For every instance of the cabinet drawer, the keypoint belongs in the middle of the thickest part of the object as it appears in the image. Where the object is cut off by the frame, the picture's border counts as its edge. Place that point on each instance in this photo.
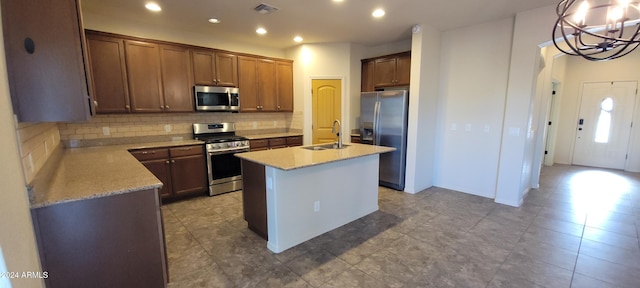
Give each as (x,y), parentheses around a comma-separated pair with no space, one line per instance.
(294,141)
(150,154)
(187,150)
(259,143)
(277,142)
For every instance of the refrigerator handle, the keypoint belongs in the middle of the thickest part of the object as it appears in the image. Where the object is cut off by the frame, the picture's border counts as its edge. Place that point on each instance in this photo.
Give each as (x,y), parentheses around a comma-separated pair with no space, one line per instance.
(376,123)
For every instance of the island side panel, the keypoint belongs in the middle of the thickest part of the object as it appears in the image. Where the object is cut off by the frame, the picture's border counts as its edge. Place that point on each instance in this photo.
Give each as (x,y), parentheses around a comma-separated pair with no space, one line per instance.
(113,241)
(343,191)
(254,197)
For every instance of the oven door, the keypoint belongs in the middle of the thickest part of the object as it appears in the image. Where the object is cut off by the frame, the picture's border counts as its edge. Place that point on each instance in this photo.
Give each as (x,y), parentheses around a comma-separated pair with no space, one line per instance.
(225,171)
(209,98)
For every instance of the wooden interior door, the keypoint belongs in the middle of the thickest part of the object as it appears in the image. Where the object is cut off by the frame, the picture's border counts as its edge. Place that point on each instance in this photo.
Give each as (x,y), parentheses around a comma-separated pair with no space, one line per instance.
(327,100)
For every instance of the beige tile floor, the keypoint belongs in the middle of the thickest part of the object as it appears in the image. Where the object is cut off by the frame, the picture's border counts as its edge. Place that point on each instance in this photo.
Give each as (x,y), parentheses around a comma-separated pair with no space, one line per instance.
(579,229)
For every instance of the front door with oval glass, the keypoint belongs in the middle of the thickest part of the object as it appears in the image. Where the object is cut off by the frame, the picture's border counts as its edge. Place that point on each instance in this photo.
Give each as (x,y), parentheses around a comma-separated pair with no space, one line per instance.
(604,124)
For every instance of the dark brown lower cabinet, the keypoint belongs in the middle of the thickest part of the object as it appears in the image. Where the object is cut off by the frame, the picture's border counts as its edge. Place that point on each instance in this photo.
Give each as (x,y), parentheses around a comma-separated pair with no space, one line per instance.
(161,168)
(182,170)
(254,197)
(187,175)
(275,143)
(112,241)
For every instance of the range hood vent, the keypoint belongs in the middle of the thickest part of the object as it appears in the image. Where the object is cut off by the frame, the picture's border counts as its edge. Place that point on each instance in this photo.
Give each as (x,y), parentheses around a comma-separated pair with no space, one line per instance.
(264,8)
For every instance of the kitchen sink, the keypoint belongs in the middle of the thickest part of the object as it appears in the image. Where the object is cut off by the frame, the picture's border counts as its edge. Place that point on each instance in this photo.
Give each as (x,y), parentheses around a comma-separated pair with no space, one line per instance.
(324,147)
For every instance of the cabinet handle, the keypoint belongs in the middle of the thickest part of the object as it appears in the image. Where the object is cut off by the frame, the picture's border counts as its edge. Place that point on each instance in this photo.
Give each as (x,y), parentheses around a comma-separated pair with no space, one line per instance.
(148,152)
(166,107)
(185,149)
(95,103)
(173,161)
(166,161)
(128,107)
(278,107)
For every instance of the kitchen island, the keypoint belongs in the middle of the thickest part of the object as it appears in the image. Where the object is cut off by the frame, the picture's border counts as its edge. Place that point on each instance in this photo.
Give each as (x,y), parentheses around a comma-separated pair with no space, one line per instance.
(294,194)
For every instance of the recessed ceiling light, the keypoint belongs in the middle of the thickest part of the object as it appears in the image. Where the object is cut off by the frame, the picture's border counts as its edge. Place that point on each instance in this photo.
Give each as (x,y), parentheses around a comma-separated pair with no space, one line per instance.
(214,20)
(378,13)
(261,31)
(338,0)
(298,38)
(153,7)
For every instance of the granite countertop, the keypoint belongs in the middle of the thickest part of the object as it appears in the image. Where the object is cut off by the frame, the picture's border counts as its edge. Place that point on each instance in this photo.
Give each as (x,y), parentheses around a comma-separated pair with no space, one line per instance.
(93,172)
(270,135)
(298,157)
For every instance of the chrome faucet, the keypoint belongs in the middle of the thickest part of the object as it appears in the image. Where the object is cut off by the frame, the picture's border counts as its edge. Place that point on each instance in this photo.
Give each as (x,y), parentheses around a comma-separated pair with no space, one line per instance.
(337,132)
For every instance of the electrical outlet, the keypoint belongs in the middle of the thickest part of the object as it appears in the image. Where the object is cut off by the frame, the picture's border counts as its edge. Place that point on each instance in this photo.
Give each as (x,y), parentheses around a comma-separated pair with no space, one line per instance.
(74,143)
(105,131)
(255,125)
(167,128)
(467,127)
(487,128)
(316,206)
(454,127)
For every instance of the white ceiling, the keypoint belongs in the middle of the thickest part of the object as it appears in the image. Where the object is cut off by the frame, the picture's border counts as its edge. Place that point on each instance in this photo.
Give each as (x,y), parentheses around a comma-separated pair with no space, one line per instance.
(317,21)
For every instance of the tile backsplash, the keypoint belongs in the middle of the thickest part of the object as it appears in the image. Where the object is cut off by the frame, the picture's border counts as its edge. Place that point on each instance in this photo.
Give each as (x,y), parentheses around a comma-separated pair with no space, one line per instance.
(38,142)
(105,129)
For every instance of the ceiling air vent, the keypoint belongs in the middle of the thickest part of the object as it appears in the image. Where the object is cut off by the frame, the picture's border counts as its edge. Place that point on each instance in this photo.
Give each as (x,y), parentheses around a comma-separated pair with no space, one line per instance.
(265,8)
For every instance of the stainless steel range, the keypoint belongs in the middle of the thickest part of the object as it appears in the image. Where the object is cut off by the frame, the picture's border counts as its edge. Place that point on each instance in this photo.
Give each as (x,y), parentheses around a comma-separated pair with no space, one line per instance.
(225,172)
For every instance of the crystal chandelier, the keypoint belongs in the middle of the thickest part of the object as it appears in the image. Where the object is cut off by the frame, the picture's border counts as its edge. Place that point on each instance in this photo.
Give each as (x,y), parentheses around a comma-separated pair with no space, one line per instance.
(603,30)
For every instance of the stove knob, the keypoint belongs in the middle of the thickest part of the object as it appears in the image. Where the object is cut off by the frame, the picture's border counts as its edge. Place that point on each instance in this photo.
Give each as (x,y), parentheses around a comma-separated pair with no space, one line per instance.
(224,145)
(214,146)
(232,144)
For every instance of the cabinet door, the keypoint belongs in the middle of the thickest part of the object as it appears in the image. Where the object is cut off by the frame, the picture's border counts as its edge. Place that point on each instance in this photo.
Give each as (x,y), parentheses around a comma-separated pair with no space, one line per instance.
(108,74)
(226,69)
(248,84)
(176,79)
(277,143)
(367,77)
(403,70)
(284,76)
(384,72)
(145,81)
(189,174)
(294,141)
(161,169)
(259,144)
(203,67)
(267,85)
(45,64)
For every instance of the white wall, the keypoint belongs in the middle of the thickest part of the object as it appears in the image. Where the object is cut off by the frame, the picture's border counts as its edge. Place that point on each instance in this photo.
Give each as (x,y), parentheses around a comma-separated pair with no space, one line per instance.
(580,71)
(17,240)
(473,79)
(320,61)
(518,142)
(423,109)
(333,61)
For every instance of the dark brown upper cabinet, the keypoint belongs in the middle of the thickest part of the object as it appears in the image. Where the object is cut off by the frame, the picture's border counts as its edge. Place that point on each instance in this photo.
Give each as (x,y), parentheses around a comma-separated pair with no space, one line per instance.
(386,71)
(214,68)
(108,74)
(45,51)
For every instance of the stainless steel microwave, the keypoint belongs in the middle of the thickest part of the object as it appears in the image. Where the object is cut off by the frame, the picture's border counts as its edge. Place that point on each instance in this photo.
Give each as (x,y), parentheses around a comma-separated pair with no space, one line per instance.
(211,98)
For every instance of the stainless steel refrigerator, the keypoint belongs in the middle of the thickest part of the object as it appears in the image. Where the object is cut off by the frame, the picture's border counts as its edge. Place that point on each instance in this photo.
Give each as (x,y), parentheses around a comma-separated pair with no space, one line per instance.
(383,121)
